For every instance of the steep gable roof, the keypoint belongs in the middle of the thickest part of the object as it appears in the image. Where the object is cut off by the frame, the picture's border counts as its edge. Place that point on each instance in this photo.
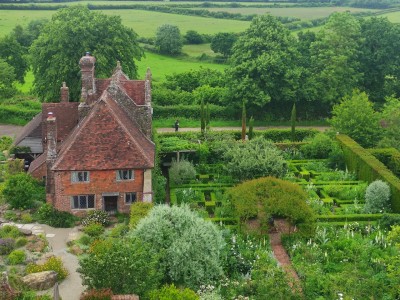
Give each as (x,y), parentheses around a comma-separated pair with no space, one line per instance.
(33,129)
(106,139)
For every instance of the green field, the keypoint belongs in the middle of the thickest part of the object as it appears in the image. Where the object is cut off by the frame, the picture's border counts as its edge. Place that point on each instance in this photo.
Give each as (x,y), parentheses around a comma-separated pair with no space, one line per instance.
(393,17)
(304,13)
(145,23)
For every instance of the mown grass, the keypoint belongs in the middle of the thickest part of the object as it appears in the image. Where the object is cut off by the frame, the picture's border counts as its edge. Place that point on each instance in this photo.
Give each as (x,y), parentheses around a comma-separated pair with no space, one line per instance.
(162,65)
(393,17)
(145,23)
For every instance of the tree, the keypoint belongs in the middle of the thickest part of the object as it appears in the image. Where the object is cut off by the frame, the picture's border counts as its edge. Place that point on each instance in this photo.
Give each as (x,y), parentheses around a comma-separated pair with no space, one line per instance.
(293,122)
(191,248)
(255,158)
(334,58)
(356,117)
(26,35)
(22,190)
(14,54)
(251,128)
(264,64)
(168,39)
(7,78)
(391,123)
(243,121)
(380,58)
(63,41)
(223,42)
(193,37)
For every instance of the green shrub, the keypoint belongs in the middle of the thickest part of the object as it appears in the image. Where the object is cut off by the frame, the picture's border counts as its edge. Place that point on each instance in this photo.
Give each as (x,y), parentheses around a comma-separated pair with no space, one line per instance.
(377,197)
(85,240)
(9,231)
(102,294)
(318,146)
(139,210)
(10,215)
(93,229)
(390,157)
(271,197)
(52,264)
(26,218)
(119,230)
(389,220)
(6,246)
(47,214)
(181,172)
(256,158)
(348,218)
(21,241)
(172,292)
(368,168)
(22,190)
(96,216)
(16,257)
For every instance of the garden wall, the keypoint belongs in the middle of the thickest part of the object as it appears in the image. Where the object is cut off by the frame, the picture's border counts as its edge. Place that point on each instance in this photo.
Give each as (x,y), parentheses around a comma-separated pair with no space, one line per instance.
(369,168)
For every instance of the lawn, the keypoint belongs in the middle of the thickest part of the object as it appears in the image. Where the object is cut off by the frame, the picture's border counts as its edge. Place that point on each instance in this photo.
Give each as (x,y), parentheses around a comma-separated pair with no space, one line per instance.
(162,65)
(393,17)
(145,23)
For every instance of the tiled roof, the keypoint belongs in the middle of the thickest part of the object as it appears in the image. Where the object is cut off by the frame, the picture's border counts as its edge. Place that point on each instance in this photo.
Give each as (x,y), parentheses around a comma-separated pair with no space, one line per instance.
(32,129)
(66,114)
(38,162)
(106,139)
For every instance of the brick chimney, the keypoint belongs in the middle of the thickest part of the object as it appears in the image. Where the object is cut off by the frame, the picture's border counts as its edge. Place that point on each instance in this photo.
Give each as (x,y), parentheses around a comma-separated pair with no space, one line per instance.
(51,155)
(87,63)
(64,91)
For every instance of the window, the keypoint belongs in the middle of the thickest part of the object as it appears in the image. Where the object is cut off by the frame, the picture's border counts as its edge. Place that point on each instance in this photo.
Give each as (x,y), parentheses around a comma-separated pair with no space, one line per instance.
(124,175)
(80,176)
(130,198)
(82,201)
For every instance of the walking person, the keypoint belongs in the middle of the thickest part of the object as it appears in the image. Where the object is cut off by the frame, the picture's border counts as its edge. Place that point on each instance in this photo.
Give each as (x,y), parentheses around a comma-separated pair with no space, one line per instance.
(176,125)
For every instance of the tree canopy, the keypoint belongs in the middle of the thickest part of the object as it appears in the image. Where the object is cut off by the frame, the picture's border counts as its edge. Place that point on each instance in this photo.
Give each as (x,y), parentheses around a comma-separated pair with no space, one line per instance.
(168,39)
(64,40)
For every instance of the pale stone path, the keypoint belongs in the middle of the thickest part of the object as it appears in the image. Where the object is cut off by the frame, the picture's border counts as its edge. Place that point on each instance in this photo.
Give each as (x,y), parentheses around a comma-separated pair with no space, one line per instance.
(283,258)
(185,129)
(71,288)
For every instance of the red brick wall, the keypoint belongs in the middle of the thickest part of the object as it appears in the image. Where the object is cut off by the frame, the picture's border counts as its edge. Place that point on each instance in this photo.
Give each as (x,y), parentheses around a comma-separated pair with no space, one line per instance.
(100,182)
(40,172)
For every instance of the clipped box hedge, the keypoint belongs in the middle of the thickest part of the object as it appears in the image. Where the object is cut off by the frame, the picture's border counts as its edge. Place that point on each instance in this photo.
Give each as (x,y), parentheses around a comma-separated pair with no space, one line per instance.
(390,157)
(349,218)
(369,168)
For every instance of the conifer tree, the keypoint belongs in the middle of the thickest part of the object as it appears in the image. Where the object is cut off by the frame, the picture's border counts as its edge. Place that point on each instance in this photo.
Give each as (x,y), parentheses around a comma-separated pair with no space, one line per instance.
(243,122)
(251,125)
(293,122)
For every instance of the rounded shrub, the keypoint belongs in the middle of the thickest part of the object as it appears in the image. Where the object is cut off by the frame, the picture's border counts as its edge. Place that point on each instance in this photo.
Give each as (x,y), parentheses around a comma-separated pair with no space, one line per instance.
(21,241)
(172,292)
(96,217)
(377,197)
(319,146)
(52,264)
(16,257)
(6,246)
(181,172)
(9,231)
(93,229)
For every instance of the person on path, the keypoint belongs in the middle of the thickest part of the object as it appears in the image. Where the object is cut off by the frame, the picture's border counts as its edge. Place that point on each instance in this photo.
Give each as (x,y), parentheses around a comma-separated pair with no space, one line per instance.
(176,125)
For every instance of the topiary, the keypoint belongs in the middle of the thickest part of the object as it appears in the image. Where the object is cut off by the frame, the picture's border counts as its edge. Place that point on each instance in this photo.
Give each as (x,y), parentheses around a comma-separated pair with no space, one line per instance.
(377,197)
(260,199)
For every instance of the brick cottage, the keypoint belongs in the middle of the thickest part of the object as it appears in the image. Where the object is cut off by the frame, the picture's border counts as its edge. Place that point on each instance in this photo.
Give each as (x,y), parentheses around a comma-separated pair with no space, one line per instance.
(97,153)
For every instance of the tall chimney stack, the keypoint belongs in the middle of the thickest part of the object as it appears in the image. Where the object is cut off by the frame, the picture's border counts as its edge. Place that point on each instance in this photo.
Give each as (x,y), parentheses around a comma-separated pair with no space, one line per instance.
(87,63)
(64,93)
(51,154)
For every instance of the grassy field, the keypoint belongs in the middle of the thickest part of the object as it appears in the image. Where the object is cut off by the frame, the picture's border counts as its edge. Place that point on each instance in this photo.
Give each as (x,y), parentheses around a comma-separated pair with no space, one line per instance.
(304,13)
(145,23)
(393,17)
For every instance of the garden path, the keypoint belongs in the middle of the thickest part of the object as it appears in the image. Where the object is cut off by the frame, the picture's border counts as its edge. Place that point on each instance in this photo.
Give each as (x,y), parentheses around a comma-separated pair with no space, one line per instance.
(71,288)
(283,258)
(184,129)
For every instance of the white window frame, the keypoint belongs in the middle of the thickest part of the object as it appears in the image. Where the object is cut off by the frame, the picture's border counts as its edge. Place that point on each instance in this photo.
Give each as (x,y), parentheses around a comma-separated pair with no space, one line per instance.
(80,176)
(85,198)
(129,195)
(123,175)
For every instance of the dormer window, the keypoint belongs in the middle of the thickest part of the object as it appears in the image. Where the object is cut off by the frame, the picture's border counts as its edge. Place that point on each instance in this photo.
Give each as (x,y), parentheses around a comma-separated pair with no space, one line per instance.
(125,175)
(80,176)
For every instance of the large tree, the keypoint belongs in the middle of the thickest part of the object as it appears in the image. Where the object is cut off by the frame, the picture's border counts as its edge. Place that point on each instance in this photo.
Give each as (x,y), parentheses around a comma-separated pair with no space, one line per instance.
(264,64)
(380,59)
(334,58)
(64,40)
(7,78)
(14,54)
(168,39)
